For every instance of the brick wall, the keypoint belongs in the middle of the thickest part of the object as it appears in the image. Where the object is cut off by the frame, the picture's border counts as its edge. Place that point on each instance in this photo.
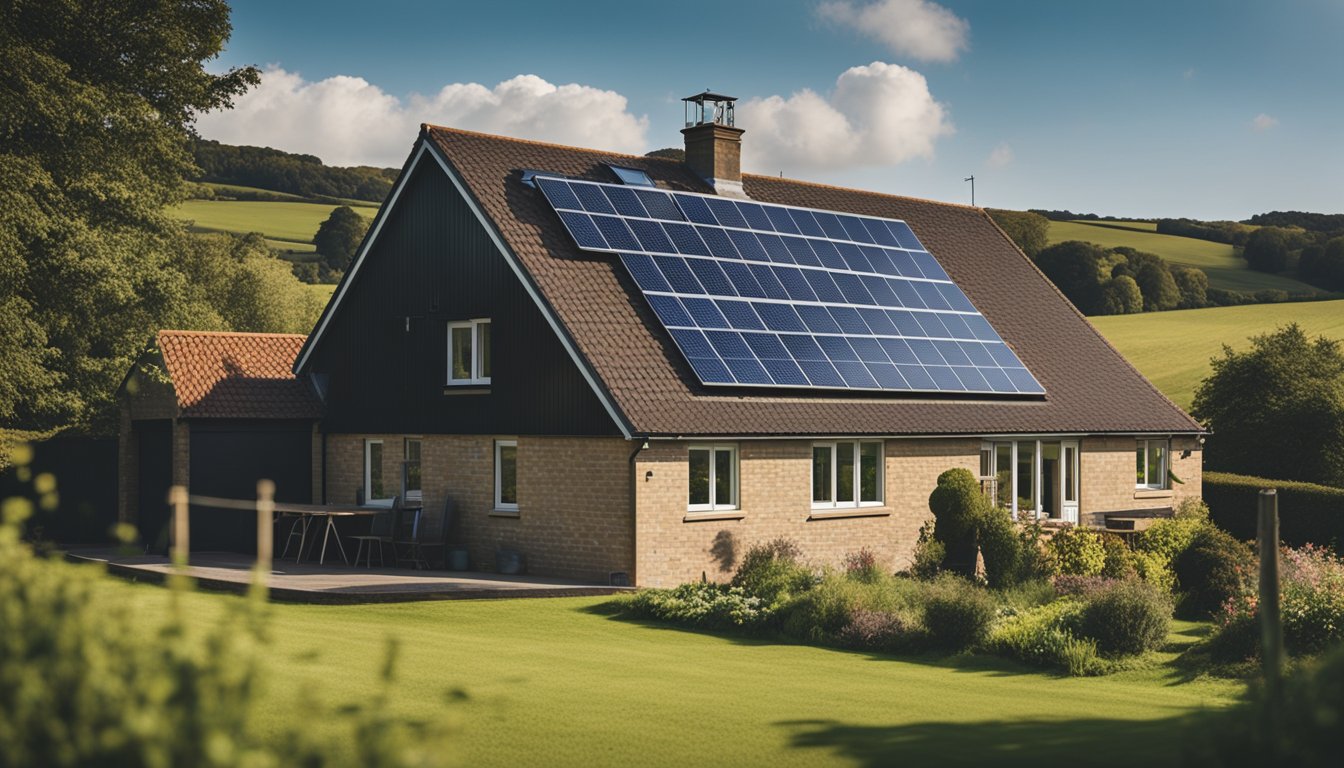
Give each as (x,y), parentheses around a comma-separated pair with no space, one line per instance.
(776,500)
(1107,477)
(573,517)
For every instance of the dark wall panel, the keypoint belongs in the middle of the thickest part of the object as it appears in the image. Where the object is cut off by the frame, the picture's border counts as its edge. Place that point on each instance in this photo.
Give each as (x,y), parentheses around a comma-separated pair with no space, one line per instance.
(227,460)
(85,469)
(386,351)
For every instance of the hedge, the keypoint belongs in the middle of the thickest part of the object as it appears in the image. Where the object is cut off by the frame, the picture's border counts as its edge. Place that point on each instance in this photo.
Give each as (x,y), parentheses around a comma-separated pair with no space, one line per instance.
(1308,513)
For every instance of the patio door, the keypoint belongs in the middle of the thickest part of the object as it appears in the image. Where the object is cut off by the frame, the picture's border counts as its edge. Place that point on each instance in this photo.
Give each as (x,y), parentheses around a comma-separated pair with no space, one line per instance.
(1068,481)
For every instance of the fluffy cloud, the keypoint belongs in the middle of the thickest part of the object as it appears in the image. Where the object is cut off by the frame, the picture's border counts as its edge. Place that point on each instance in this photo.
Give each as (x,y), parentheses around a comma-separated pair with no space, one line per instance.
(1001,156)
(916,28)
(880,114)
(349,121)
(1262,122)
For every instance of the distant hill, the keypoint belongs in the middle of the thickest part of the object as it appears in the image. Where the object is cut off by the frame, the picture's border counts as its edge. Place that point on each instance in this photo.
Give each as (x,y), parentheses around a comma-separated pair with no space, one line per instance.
(301,175)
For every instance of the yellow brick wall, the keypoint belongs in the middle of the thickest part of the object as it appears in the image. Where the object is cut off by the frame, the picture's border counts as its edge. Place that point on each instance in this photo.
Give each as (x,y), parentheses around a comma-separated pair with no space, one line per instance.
(574,509)
(1106,477)
(776,501)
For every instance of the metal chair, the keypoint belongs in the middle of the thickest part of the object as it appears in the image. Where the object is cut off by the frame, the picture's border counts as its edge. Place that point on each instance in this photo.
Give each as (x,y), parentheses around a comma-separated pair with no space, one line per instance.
(405,528)
(431,535)
(380,533)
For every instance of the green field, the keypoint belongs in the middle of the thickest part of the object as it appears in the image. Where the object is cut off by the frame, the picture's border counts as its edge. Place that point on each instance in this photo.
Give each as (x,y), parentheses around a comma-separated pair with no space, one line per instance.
(291,222)
(322,291)
(555,682)
(1173,348)
(1224,266)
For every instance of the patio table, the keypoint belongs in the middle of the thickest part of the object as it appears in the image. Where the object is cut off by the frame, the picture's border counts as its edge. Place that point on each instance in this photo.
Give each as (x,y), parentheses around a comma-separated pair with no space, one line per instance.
(329,512)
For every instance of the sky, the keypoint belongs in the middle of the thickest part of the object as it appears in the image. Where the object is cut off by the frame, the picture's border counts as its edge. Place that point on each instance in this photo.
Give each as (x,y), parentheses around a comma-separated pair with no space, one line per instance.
(1210,110)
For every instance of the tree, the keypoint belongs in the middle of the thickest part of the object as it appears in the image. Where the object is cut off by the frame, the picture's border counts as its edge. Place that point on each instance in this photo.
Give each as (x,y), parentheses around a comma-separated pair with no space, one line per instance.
(1193,285)
(235,283)
(1121,296)
(1075,268)
(1269,249)
(1158,287)
(1323,265)
(1277,409)
(338,237)
(1029,230)
(95,113)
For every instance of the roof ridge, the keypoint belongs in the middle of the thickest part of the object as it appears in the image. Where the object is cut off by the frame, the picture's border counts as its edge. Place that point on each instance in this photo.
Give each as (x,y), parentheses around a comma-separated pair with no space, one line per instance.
(554,145)
(874,192)
(236,334)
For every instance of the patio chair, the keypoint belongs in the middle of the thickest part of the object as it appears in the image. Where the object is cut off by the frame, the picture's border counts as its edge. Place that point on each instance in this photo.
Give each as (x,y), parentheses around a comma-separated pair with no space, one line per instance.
(432,536)
(380,534)
(405,527)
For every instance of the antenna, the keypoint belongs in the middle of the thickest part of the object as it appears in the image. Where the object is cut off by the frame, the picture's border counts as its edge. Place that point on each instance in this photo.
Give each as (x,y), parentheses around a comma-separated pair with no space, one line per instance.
(971,179)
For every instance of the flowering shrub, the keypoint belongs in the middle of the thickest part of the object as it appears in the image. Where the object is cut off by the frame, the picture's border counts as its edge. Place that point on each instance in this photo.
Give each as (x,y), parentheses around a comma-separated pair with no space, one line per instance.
(773,571)
(1078,552)
(876,631)
(863,566)
(704,604)
(1311,600)
(1073,585)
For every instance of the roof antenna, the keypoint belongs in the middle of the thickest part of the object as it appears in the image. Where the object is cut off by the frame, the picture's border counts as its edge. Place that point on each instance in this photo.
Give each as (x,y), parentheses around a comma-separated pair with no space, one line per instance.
(971,179)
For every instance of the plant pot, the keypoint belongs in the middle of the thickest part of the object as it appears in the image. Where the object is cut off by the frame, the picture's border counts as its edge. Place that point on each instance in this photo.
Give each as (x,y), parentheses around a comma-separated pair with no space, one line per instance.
(458,560)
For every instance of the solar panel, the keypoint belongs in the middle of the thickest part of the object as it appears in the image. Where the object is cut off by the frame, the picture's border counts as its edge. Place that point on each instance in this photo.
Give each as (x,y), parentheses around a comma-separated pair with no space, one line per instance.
(765,295)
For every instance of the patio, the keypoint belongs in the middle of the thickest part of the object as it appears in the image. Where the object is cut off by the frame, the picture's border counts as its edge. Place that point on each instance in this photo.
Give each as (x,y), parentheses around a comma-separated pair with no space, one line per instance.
(337,584)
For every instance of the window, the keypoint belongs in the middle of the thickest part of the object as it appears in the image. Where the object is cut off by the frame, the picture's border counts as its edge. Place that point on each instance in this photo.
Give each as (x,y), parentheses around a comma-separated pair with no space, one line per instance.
(1150,461)
(847,474)
(469,352)
(412,470)
(375,489)
(631,176)
(713,482)
(506,474)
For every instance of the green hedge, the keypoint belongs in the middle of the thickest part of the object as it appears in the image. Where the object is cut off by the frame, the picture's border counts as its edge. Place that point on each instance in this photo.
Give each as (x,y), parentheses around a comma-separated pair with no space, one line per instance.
(1308,513)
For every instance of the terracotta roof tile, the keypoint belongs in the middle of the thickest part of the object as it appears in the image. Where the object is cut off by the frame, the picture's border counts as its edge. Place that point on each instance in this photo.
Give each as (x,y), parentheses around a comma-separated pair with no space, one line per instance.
(237,375)
(1089,386)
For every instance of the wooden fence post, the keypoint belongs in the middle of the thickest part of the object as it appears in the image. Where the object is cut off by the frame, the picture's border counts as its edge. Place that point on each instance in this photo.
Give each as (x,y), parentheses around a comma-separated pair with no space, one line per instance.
(1271,625)
(177,497)
(265,528)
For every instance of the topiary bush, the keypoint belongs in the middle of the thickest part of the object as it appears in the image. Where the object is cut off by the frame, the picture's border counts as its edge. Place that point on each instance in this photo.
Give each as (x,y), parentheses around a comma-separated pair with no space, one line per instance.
(958,507)
(772,571)
(1212,570)
(957,615)
(1129,617)
(1078,552)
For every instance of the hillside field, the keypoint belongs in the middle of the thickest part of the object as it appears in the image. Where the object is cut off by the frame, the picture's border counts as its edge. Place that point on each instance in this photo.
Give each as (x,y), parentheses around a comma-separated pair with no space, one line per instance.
(1222,263)
(1173,349)
(294,223)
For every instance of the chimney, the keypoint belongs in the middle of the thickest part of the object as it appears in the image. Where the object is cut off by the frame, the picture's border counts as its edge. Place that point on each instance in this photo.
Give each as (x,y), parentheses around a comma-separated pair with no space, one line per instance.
(713,143)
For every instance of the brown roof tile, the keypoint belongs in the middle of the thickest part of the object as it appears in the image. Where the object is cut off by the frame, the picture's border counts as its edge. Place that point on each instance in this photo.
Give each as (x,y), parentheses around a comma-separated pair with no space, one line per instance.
(1089,386)
(237,375)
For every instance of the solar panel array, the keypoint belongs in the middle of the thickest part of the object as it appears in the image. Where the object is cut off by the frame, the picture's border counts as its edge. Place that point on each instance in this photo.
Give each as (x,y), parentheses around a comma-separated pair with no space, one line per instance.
(776,296)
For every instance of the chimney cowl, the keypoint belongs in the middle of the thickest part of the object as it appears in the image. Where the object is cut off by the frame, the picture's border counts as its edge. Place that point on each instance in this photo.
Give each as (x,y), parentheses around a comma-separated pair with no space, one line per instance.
(713,142)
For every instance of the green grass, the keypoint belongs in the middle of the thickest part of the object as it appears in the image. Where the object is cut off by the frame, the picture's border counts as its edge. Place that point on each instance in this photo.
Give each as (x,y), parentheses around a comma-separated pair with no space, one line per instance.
(322,290)
(1173,348)
(292,222)
(556,682)
(1223,264)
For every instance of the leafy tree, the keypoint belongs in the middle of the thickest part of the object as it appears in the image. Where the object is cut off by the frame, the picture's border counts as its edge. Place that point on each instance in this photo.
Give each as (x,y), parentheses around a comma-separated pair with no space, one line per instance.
(235,282)
(95,111)
(1075,268)
(1277,409)
(1029,230)
(1158,287)
(295,174)
(1193,285)
(1323,265)
(338,237)
(1121,296)
(1269,249)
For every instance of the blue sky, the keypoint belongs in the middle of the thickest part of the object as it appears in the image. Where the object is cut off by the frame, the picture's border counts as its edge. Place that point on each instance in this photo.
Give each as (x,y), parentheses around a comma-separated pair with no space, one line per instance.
(1203,109)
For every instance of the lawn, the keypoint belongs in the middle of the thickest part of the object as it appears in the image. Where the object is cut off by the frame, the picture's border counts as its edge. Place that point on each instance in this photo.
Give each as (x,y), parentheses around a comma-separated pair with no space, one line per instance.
(1173,348)
(288,221)
(1223,264)
(557,682)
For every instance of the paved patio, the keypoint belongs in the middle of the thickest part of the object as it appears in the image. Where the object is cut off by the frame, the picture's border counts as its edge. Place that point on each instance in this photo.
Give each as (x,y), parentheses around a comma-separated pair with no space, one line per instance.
(312,583)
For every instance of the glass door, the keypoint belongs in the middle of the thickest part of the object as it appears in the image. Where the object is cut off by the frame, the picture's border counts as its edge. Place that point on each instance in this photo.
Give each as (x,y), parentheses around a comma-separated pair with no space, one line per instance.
(1068,481)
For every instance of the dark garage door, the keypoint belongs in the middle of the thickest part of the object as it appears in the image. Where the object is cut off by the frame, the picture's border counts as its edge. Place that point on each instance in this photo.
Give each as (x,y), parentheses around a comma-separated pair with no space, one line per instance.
(156,475)
(227,459)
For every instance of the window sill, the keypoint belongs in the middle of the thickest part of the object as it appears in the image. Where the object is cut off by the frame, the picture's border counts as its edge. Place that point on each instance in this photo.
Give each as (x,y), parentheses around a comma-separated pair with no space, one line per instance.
(466,389)
(713,514)
(841,512)
(506,513)
(1152,493)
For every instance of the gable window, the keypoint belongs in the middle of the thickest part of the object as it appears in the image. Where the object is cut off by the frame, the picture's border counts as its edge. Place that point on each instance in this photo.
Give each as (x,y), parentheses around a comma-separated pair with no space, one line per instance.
(375,486)
(469,352)
(847,474)
(411,479)
(506,474)
(631,176)
(713,484)
(1150,462)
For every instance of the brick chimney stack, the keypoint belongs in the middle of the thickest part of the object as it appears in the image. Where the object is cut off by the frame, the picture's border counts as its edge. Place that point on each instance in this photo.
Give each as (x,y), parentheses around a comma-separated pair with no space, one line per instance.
(713,143)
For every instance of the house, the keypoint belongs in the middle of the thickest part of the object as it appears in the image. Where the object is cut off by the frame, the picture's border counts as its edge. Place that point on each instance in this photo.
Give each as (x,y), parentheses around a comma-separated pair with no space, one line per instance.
(579,407)
(214,412)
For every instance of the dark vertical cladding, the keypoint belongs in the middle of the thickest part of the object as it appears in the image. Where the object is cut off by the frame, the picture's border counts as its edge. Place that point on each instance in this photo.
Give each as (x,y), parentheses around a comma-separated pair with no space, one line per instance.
(386,350)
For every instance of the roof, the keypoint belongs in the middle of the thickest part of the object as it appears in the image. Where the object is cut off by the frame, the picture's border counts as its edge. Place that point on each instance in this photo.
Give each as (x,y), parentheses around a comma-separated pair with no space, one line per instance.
(1090,387)
(220,375)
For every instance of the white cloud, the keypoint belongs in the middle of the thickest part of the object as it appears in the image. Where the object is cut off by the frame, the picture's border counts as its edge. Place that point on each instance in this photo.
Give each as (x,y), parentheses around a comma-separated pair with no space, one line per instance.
(1263,122)
(916,28)
(881,114)
(1001,156)
(349,121)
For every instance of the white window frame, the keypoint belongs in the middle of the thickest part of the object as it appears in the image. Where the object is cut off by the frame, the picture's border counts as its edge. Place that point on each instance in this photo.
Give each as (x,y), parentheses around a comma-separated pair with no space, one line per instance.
(1161,485)
(858,473)
(368,472)
(477,352)
(714,505)
(500,504)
